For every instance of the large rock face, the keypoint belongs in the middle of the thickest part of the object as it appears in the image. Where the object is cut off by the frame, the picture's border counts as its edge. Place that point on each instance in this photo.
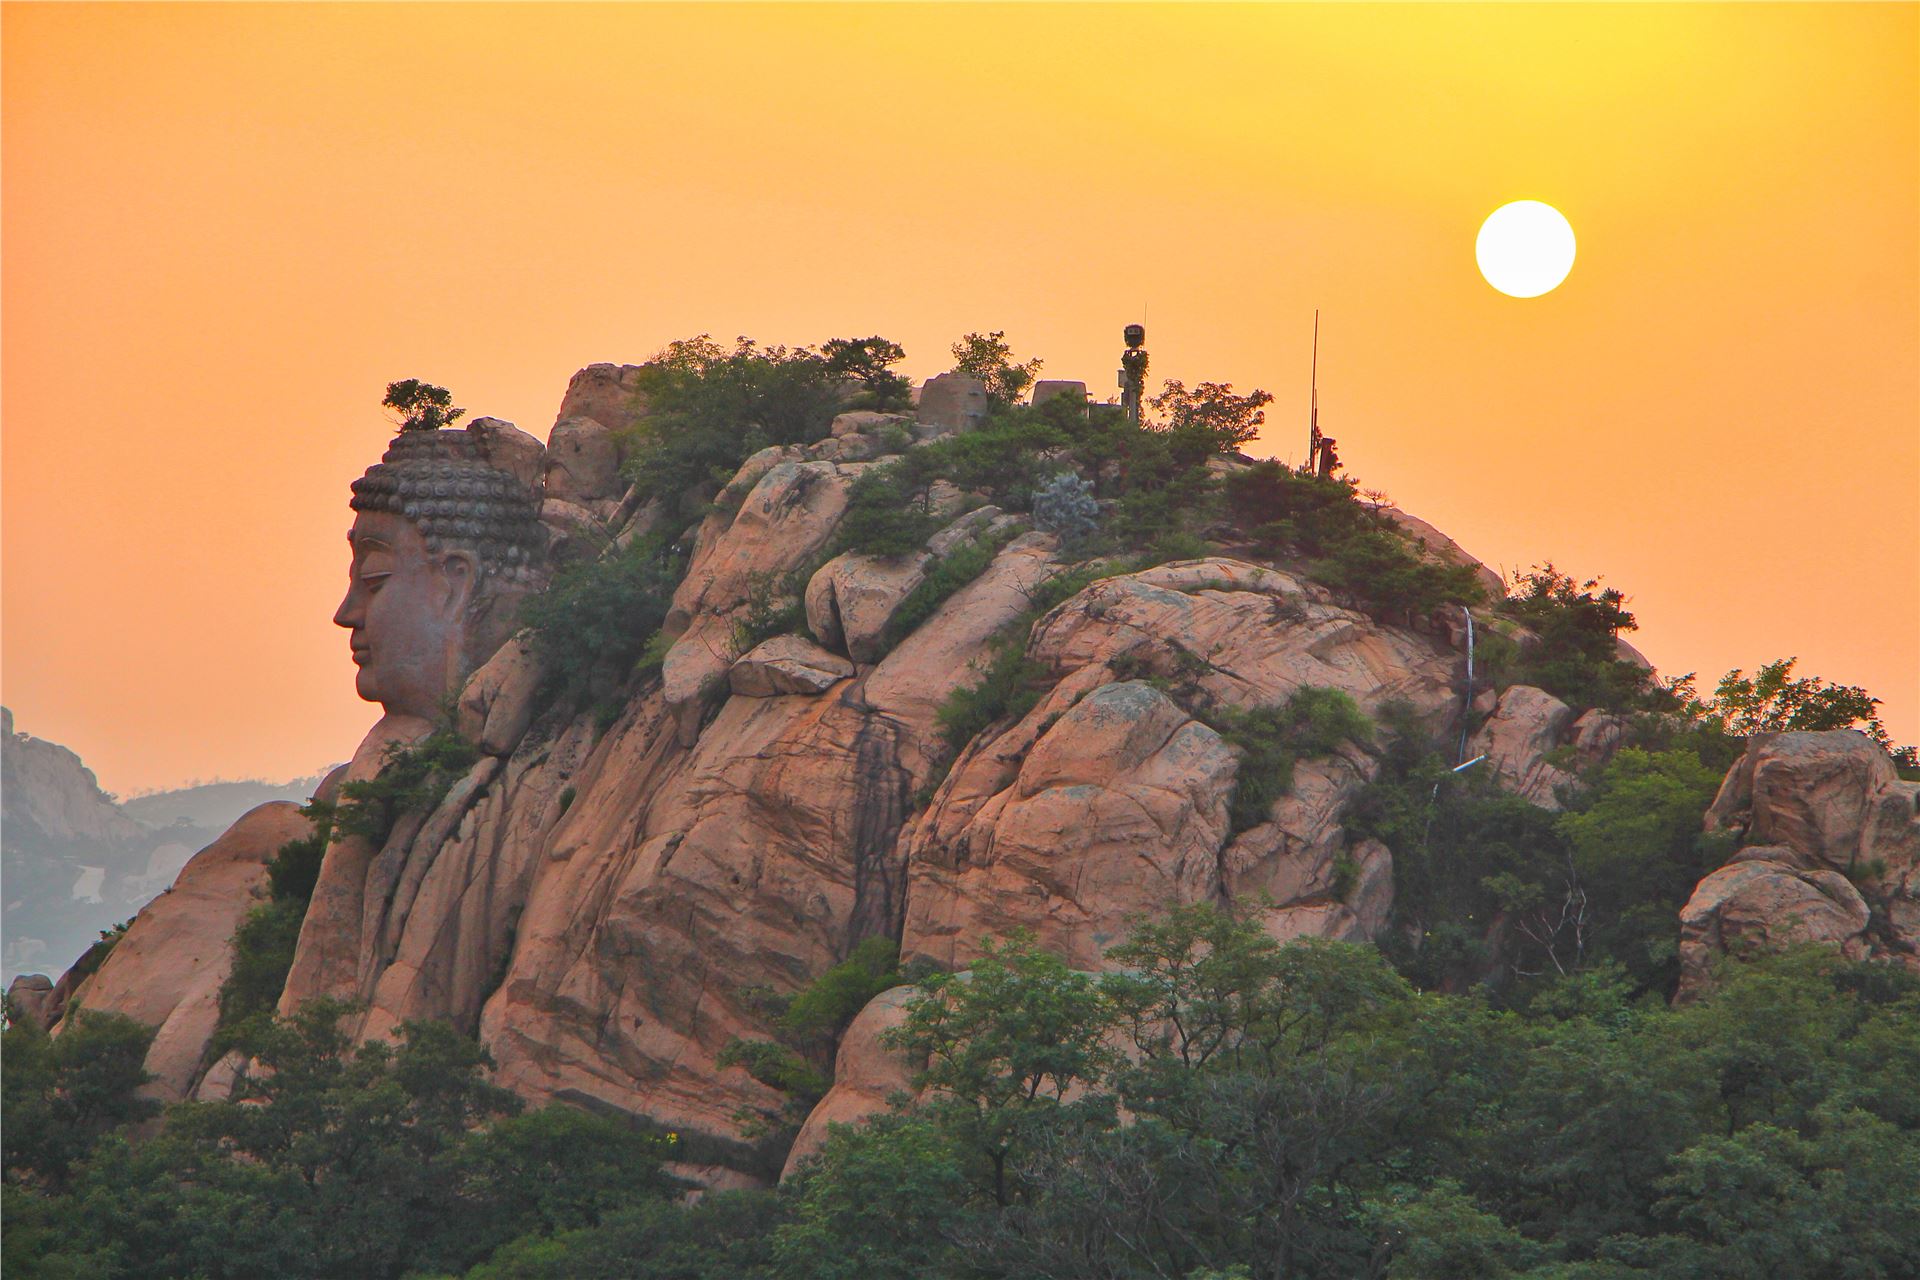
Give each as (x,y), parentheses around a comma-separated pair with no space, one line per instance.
(1118,808)
(866,1074)
(1109,800)
(756,842)
(787,510)
(679,875)
(582,462)
(947,651)
(951,402)
(1765,899)
(167,969)
(602,392)
(1831,840)
(1244,636)
(1526,724)
(597,892)
(1445,548)
(330,956)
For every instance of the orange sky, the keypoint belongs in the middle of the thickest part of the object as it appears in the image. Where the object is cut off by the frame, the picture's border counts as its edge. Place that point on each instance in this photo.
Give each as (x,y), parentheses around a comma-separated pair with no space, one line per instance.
(227,227)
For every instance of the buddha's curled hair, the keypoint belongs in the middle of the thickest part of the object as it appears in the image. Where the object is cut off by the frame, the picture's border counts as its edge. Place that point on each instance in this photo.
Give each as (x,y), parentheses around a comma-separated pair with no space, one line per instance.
(442,482)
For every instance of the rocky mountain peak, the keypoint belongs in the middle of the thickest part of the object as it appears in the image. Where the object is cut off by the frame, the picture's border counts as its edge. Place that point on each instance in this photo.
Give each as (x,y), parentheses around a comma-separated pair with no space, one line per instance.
(868,688)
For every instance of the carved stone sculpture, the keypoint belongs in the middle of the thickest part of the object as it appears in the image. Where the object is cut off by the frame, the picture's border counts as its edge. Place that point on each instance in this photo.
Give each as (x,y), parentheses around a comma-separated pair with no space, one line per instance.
(446,540)
(445,545)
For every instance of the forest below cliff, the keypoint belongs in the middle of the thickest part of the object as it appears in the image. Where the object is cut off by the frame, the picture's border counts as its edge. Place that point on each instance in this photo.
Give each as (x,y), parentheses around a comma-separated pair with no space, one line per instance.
(1222,1107)
(1503,1084)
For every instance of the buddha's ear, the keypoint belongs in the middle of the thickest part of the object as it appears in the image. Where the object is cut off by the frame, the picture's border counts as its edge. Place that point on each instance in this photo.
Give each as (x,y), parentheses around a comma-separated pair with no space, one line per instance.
(459,578)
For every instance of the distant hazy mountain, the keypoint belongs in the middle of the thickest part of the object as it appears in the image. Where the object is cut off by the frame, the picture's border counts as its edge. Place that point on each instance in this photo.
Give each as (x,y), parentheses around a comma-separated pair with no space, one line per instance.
(73,862)
(213,804)
(49,795)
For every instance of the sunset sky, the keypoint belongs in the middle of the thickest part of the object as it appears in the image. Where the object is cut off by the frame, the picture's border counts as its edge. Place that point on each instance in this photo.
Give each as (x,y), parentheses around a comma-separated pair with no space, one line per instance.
(227,227)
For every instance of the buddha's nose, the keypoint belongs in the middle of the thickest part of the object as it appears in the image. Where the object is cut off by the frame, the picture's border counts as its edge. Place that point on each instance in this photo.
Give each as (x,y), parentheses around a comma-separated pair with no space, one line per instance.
(349,612)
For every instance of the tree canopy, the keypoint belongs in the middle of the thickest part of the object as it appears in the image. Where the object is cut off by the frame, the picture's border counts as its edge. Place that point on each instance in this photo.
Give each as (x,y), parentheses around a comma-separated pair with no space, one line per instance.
(1216,1104)
(421,406)
(989,357)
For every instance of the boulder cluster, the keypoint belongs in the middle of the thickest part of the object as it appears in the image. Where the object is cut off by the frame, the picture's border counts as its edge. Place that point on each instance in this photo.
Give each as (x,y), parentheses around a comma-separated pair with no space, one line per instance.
(597,901)
(1829,852)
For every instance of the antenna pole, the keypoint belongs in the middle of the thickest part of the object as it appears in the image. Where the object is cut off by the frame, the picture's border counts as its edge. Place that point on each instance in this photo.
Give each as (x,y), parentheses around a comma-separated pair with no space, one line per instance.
(1313,405)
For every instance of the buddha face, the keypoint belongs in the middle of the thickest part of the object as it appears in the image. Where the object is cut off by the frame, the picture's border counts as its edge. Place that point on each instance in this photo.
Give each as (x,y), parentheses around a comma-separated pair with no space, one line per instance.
(406,613)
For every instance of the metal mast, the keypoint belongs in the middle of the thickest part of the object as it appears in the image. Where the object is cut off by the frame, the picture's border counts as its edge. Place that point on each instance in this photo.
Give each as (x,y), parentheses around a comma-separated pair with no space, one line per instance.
(1313,405)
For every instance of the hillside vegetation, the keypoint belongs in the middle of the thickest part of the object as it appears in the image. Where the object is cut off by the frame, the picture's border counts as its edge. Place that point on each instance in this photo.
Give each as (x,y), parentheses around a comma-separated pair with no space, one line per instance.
(1501,1085)
(1221,1106)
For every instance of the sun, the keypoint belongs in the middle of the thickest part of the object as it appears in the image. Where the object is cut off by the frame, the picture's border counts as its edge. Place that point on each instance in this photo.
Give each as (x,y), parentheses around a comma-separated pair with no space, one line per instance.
(1525,248)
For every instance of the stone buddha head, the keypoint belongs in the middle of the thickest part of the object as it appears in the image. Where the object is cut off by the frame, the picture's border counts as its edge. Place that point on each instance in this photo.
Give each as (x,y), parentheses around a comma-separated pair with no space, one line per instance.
(445,545)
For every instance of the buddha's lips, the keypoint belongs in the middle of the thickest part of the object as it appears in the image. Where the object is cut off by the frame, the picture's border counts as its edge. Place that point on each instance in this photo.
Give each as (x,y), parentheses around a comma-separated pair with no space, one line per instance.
(360,653)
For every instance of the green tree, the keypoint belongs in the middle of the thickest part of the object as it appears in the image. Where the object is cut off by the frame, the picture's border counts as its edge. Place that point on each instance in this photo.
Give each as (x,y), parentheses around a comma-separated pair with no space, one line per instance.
(1585,1118)
(40,1239)
(882,1201)
(1193,984)
(988,357)
(596,619)
(865,361)
(1347,544)
(541,1173)
(337,1159)
(1636,852)
(725,1235)
(821,1010)
(421,406)
(1785,1033)
(798,1062)
(62,1094)
(1276,1132)
(1292,512)
(1202,989)
(268,935)
(1774,700)
(1573,651)
(1490,888)
(1005,1043)
(889,512)
(1769,1201)
(263,948)
(412,779)
(1008,685)
(704,409)
(1210,419)
(1439,1233)
(1314,721)
(1383,571)
(1464,852)
(295,867)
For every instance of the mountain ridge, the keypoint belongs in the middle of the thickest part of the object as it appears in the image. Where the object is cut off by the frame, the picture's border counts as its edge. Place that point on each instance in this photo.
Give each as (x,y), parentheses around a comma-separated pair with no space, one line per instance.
(78,861)
(886,682)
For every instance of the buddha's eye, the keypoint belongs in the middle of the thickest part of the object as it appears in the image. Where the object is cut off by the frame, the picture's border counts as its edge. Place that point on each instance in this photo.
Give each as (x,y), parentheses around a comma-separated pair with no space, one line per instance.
(376,579)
